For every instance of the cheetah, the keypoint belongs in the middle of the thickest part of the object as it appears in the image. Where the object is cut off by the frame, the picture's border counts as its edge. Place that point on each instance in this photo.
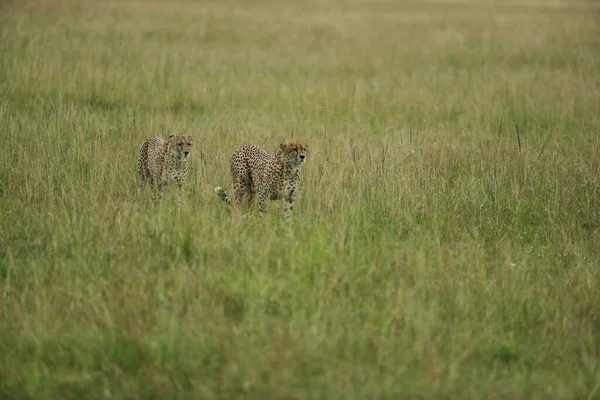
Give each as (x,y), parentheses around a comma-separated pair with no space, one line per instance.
(270,176)
(163,162)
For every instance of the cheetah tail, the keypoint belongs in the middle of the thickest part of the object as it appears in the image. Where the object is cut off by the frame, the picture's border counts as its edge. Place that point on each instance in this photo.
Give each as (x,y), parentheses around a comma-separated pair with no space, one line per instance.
(222,194)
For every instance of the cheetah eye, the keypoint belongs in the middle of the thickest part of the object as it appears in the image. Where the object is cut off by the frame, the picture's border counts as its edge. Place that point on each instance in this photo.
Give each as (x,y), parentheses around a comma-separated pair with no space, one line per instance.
(295,149)
(180,144)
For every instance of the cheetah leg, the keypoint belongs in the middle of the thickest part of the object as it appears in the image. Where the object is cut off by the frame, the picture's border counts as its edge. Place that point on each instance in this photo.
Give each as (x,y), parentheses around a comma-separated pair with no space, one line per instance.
(153,185)
(157,189)
(289,207)
(263,202)
(179,181)
(290,198)
(141,167)
(145,176)
(158,193)
(251,196)
(142,176)
(179,195)
(239,194)
(248,190)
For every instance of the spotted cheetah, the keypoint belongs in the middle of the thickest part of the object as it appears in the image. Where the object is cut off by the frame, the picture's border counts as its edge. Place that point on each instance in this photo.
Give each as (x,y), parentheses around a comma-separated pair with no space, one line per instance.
(163,162)
(270,176)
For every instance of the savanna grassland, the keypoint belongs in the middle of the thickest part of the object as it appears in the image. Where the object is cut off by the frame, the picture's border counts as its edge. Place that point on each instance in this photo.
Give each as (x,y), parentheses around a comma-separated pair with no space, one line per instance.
(446,235)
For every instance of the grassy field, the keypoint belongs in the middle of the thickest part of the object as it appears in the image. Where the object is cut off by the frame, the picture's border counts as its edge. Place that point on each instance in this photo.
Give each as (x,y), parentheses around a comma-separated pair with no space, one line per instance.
(446,236)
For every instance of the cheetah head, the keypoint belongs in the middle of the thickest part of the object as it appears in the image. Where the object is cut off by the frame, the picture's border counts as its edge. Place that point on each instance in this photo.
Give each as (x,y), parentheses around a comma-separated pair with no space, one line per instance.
(293,153)
(180,145)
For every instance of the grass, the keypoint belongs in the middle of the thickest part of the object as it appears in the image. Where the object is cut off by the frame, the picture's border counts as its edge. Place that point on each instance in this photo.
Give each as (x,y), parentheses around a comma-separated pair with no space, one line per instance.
(433,253)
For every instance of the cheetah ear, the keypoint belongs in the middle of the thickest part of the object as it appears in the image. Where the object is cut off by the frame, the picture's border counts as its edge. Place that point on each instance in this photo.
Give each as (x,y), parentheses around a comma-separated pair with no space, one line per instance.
(171,135)
(282,146)
(189,137)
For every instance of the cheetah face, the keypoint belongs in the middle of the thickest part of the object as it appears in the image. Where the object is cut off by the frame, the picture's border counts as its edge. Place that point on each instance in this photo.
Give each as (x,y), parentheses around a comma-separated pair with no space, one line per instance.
(180,146)
(294,152)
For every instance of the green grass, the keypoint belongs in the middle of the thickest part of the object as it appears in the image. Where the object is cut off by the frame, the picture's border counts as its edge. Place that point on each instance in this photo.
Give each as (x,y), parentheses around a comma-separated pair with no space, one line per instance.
(432,253)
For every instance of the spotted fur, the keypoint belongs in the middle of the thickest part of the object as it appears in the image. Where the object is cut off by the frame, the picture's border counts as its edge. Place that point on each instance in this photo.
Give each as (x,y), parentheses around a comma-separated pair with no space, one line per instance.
(256,172)
(164,162)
